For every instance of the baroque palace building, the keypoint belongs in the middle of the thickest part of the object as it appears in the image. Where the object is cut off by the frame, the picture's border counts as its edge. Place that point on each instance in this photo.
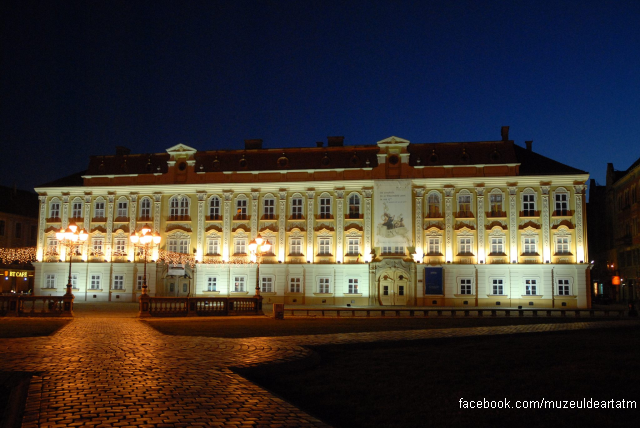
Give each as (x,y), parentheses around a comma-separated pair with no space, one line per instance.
(437,224)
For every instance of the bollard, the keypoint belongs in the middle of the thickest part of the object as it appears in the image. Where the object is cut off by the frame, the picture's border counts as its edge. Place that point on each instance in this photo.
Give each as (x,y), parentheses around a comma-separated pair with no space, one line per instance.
(278,311)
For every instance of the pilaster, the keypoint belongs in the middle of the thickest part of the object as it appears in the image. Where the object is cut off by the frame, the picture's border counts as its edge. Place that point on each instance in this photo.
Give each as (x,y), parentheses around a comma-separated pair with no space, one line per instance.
(448,222)
(513,223)
(579,197)
(107,244)
(226,225)
(310,217)
(339,225)
(202,197)
(282,224)
(480,224)
(41,226)
(546,245)
(157,198)
(255,213)
(368,193)
(65,211)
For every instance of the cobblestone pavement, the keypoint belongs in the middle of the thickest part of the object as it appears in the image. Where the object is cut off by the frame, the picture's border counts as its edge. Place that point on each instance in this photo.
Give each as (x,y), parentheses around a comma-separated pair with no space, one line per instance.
(105,372)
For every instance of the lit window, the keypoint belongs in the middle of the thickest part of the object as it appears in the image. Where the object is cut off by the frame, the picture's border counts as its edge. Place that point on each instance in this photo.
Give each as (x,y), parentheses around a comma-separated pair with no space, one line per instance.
(296,208)
(213,246)
(434,246)
(354,206)
(324,246)
(497,245)
(323,285)
(120,246)
(52,246)
(177,245)
(433,205)
(530,245)
(214,208)
(97,245)
(531,287)
(498,287)
(241,209)
(239,284)
(118,282)
(295,248)
(212,283)
(464,205)
(464,245)
(465,286)
(269,208)
(240,246)
(353,246)
(294,284)
(562,245)
(495,202)
(266,284)
(353,286)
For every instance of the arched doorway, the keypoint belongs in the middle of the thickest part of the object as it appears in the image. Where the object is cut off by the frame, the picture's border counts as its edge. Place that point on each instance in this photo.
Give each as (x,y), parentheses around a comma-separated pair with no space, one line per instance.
(393,287)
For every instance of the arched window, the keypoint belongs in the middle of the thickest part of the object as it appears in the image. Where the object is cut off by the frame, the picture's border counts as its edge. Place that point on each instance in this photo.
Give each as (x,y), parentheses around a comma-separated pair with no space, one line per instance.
(561,199)
(145,209)
(528,203)
(214,208)
(122,208)
(99,211)
(241,208)
(54,208)
(354,205)
(269,208)
(297,204)
(76,208)
(179,207)
(433,205)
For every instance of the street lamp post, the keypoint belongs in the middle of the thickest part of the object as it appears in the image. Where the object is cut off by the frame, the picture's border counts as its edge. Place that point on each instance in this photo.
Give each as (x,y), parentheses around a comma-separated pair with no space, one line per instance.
(258,247)
(71,239)
(145,241)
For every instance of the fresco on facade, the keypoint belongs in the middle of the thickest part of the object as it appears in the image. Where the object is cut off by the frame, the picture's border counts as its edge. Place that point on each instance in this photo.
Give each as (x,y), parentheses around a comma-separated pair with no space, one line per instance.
(392,213)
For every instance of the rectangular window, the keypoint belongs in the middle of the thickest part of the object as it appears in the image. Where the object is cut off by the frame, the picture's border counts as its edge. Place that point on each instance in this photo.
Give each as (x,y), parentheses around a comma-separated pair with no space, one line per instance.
(123,208)
(497,245)
(52,246)
(240,246)
(212,283)
(324,246)
(95,283)
(269,209)
(74,281)
(395,250)
(50,281)
(179,246)
(18,230)
(433,203)
(354,206)
(140,281)
(241,209)
(323,285)
(353,286)
(118,282)
(495,201)
(294,284)
(76,210)
(531,287)
(530,246)
(266,284)
(434,246)
(464,205)
(145,208)
(562,203)
(99,210)
(213,246)
(97,246)
(296,208)
(353,246)
(214,209)
(563,287)
(464,245)
(465,286)
(562,245)
(239,284)
(295,248)
(529,205)
(121,246)
(498,287)
(55,210)
(325,207)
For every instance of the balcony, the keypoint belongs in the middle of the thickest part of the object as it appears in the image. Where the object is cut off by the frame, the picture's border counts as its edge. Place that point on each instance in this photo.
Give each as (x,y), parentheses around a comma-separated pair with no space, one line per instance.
(121,219)
(179,218)
(464,214)
(529,213)
(562,213)
(496,214)
(214,217)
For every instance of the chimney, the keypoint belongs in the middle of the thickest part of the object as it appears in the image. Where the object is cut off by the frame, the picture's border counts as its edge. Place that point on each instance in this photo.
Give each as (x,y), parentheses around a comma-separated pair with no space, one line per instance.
(335,141)
(528,144)
(122,151)
(253,144)
(505,133)
(319,143)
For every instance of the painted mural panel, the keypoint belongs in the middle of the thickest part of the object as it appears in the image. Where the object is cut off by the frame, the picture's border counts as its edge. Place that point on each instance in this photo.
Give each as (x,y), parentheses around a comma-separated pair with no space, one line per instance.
(392,213)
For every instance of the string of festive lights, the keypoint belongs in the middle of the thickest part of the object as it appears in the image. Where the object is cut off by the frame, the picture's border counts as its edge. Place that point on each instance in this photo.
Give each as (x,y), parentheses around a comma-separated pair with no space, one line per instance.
(18,255)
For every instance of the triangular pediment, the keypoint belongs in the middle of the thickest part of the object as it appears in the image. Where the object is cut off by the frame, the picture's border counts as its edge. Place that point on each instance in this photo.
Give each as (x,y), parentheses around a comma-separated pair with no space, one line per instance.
(181,149)
(393,141)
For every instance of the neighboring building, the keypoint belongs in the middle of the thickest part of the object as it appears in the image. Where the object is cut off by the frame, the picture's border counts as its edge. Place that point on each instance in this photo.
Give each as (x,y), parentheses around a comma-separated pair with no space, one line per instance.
(618,255)
(458,224)
(18,229)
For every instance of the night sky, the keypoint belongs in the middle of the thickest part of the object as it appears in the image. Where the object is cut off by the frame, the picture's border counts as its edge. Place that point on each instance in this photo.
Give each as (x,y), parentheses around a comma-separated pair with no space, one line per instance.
(79,78)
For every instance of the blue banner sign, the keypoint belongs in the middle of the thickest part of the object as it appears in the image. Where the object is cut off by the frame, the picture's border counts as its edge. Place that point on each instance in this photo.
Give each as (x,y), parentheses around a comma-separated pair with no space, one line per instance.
(433,281)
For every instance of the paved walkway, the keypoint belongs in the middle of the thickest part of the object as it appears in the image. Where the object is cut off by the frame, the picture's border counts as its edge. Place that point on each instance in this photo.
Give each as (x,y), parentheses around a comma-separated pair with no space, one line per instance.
(117,371)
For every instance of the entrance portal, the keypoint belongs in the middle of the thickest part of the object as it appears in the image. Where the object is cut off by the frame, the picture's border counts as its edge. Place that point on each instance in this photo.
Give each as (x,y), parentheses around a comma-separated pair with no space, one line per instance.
(394,285)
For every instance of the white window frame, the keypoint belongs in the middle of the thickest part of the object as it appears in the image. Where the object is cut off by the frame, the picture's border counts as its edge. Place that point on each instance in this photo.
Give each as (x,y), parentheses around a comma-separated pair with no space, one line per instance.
(434,247)
(122,210)
(240,246)
(76,208)
(95,281)
(526,246)
(529,207)
(239,283)
(295,284)
(140,280)
(179,206)
(436,204)
(561,283)
(560,245)
(325,203)
(462,245)
(392,250)
(465,194)
(297,207)
(324,245)
(214,208)
(352,286)
(212,283)
(465,284)
(242,204)
(145,208)
(213,246)
(53,246)
(54,208)
(496,245)
(295,246)
(324,285)
(178,245)
(531,287)
(120,246)
(50,281)
(353,201)
(97,245)
(118,281)
(561,202)
(497,284)
(99,208)
(267,283)
(496,202)
(269,208)
(353,246)
(74,281)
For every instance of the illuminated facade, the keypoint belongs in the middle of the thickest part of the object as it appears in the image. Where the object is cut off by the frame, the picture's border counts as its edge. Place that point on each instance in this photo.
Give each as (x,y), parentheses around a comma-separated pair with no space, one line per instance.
(451,224)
